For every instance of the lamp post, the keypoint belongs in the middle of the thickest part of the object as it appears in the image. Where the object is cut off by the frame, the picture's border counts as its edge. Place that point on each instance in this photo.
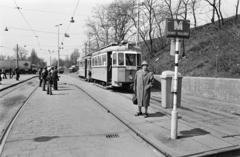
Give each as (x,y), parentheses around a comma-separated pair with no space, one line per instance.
(17,64)
(58,46)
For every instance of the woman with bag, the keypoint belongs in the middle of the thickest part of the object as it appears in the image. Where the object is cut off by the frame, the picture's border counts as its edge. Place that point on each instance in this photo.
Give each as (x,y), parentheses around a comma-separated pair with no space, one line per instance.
(143,82)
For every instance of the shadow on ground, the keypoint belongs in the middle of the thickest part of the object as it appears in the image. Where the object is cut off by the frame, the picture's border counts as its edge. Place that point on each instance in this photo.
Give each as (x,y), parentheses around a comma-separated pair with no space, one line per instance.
(193,132)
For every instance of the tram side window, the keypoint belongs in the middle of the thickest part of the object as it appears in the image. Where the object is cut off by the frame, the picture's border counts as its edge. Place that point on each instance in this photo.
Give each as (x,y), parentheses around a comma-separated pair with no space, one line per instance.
(104,59)
(114,58)
(95,61)
(92,62)
(101,60)
(98,60)
(130,59)
(138,59)
(120,59)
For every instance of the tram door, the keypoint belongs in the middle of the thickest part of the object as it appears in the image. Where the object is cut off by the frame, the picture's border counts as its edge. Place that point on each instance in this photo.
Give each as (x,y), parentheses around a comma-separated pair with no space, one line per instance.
(109,66)
(85,68)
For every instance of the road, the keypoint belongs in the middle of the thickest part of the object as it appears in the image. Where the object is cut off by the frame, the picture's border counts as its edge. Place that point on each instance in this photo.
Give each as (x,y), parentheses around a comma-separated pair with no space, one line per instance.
(70,123)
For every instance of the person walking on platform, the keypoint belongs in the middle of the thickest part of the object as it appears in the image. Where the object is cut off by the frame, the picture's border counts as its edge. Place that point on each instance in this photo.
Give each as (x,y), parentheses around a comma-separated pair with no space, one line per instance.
(40,76)
(44,78)
(10,73)
(55,78)
(17,72)
(50,81)
(143,82)
(4,74)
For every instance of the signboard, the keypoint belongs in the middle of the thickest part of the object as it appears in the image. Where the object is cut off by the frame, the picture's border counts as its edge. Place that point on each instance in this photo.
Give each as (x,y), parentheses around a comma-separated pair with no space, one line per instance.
(177,28)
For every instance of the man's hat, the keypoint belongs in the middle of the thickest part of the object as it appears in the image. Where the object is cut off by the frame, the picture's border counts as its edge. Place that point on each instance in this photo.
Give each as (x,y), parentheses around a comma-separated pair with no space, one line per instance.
(144,63)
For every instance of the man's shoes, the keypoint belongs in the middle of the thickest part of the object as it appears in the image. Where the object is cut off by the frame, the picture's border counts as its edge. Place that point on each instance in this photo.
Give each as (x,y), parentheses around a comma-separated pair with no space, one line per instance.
(138,114)
(145,115)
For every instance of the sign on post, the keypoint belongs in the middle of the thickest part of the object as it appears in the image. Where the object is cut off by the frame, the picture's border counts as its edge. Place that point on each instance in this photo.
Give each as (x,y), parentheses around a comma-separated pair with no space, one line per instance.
(177,28)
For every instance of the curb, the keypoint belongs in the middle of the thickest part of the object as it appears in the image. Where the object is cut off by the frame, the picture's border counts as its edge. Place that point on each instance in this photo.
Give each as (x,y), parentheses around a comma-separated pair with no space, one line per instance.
(15,84)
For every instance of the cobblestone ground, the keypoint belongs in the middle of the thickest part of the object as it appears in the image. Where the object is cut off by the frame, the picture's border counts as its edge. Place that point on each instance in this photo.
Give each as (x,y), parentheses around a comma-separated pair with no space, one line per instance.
(69,123)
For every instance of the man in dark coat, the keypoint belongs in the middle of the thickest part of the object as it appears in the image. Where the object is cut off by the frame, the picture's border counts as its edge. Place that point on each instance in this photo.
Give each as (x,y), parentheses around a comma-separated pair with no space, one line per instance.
(10,73)
(55,79)
(143,82)
(40,76)
(44,78)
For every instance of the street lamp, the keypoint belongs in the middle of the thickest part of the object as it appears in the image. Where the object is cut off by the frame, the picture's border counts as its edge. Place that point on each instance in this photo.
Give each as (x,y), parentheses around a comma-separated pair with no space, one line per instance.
(58,47)
(72,20)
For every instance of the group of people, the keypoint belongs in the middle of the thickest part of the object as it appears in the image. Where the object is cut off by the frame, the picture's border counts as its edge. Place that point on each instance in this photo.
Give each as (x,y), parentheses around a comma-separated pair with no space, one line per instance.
(11,72)
(48,77)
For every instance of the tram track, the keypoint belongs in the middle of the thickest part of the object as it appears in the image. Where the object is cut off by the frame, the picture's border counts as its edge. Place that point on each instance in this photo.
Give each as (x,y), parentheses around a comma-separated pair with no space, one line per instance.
(135,131)
(10,123)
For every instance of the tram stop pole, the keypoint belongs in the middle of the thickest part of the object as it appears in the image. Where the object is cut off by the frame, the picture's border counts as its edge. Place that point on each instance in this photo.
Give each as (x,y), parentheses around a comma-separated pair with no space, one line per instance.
(174,116)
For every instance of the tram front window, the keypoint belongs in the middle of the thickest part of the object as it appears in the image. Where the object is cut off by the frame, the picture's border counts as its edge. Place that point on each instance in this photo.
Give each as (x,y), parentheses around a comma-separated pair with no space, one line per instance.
(138,59)
(130,60)
(120,59)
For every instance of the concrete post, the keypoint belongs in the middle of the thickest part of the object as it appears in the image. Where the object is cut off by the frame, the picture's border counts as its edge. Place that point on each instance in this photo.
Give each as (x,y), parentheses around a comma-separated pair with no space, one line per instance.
(174,117)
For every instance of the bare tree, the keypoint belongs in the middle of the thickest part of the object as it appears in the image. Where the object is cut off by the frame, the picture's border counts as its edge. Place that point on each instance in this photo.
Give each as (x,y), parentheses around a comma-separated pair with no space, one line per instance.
(193,4)
(22,53)
(213,4)
(169,6)
(118,16)
(220,11)
(236,14)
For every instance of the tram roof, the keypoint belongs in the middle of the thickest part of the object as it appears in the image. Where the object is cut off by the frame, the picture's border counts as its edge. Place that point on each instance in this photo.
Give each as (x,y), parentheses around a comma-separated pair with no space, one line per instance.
(125,47)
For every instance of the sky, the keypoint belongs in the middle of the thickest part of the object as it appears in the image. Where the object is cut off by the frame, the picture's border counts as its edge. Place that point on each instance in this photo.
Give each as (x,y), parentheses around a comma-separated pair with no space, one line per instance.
(43,15)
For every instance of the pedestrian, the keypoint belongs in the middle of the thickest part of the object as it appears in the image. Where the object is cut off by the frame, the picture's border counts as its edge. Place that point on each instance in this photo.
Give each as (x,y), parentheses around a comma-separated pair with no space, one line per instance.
(55,78)
(4,73)
(10,73)
(143,82)
(40,76)
(17,72)
(44,78)
(50,81)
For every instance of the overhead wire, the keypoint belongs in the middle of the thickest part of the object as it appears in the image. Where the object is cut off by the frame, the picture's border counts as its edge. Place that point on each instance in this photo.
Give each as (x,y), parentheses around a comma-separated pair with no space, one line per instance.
(40,31)
(73,14)
(28,24)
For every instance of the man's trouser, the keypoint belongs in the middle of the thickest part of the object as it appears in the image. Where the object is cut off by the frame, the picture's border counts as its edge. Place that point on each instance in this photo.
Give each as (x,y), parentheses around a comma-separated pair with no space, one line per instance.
(55,85)
(40,82)
(49,88)
(44,84)
(17,77)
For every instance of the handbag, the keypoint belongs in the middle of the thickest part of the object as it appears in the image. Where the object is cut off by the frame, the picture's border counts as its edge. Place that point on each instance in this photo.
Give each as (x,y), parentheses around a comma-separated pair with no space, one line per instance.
(134,99)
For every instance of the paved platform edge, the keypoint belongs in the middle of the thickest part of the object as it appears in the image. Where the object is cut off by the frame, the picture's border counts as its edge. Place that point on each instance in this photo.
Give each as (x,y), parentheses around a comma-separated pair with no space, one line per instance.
(15,84)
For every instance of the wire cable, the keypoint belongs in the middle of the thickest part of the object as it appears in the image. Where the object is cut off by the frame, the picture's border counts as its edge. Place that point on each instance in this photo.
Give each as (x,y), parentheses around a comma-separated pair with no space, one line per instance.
(74,12)
(28,24)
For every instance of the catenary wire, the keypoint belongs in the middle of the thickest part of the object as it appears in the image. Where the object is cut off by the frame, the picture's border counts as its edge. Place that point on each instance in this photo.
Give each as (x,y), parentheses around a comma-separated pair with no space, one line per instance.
(28,24)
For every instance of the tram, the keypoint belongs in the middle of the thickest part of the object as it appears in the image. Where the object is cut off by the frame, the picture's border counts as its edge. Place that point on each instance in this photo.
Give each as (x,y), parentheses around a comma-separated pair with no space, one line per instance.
(84,64)
(116,65)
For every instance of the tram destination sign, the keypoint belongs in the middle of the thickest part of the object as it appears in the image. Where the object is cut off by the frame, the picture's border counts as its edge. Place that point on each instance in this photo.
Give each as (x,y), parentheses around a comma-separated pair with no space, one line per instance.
(177,28)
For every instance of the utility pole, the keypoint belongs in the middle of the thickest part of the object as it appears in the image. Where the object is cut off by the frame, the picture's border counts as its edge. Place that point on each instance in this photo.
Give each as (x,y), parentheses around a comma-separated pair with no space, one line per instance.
(58,44)
(17,57)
